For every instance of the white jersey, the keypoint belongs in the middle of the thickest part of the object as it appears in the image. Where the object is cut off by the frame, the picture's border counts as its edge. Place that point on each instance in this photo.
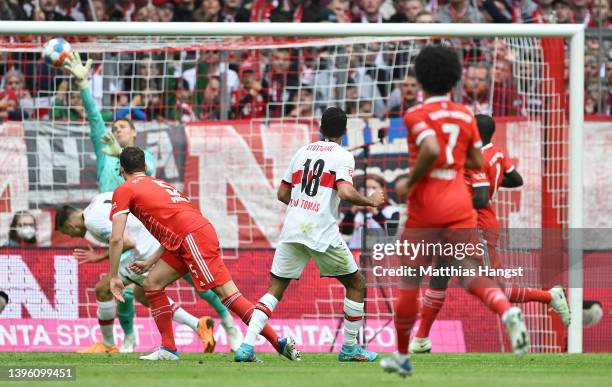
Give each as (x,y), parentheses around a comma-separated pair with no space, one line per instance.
(99,226)
(314,174)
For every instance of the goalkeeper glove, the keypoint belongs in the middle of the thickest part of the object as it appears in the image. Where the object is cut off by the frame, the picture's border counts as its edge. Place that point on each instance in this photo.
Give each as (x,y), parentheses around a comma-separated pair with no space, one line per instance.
(74,65)
(112,147)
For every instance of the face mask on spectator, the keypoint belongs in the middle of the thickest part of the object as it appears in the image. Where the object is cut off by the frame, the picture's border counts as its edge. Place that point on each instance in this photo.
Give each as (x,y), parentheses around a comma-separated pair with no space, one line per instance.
(26,232)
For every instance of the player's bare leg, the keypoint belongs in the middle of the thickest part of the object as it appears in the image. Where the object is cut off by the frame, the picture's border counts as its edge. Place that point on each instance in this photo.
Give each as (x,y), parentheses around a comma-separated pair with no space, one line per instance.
(353,319)
(106,318)
(258,315)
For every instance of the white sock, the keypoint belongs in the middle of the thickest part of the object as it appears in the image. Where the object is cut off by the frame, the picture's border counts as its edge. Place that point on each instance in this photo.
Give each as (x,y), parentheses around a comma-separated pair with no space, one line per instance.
(228,322)
(106,312)
(353,319)
(259,319)
(183,317)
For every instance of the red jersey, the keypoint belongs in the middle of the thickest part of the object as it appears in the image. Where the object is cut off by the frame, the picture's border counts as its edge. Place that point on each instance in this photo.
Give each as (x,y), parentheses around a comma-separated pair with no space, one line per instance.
(495,164)
(162,209)
(441,198)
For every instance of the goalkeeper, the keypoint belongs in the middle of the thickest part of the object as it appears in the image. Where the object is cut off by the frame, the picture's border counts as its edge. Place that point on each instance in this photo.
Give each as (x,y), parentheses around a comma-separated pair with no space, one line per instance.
(107,147)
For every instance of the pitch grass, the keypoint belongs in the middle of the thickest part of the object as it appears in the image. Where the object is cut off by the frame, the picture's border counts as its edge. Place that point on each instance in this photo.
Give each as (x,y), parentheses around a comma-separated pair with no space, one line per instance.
(218,370)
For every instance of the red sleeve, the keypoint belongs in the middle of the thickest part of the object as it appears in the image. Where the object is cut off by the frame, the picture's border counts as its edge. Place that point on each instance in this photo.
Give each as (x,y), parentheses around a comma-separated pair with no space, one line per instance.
(507,165)
(417,125)
(122,199)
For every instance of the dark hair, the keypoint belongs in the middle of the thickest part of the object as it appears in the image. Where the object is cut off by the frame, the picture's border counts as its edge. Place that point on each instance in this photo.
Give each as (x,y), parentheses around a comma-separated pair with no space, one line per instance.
(62,215)
(132,159)
(333,122)
(5,296)
(437,69)
(486,127)
(13,228)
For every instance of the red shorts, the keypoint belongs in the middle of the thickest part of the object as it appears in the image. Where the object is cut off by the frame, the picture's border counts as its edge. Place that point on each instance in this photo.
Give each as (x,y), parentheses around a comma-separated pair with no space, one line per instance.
(200,255)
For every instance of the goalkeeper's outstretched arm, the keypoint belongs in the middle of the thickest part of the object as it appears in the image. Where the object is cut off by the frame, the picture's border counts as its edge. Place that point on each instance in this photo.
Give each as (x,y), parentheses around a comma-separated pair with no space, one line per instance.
(97,128)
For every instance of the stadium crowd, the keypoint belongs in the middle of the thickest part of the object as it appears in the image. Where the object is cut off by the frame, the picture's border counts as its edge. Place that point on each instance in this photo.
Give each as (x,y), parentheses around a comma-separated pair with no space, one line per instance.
(212,84)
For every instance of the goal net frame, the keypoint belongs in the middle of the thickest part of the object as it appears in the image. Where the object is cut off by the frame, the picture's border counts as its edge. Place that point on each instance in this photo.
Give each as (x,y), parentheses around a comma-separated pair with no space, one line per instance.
(573,32)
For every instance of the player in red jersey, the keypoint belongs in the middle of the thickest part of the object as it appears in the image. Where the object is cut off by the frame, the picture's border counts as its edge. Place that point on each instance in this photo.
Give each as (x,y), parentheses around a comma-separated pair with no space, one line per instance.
(443,140)
(497,171)
(188,244)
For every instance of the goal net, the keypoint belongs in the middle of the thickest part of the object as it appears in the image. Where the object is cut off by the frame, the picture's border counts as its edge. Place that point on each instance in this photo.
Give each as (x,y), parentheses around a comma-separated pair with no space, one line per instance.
(223,117)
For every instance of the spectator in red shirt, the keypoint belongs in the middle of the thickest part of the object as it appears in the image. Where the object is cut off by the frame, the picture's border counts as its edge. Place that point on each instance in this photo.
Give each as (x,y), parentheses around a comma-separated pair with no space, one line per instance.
(250,99)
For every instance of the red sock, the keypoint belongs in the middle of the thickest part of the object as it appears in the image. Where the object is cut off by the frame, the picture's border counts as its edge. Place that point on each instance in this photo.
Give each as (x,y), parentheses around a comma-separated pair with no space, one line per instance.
(243,308)
(492,297)
(162,312)
(527,295)
(406,310)
(430,306)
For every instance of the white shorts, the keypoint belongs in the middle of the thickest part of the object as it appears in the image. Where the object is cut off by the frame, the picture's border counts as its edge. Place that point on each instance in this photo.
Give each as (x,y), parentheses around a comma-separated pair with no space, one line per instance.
(126,274)
(290,259)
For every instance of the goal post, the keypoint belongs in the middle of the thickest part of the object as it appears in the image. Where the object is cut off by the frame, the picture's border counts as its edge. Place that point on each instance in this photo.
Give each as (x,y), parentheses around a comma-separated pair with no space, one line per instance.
(573,33)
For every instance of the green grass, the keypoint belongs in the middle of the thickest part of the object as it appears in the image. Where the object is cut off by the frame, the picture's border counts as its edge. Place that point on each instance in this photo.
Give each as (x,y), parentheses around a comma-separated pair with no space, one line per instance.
(125,370)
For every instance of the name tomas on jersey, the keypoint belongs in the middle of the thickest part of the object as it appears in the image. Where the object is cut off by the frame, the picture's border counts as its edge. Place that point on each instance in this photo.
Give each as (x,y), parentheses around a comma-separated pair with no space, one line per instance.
(309,205)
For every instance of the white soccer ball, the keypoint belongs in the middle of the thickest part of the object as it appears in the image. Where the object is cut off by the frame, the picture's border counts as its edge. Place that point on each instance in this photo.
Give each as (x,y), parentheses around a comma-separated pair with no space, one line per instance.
(55,51)
(592,315)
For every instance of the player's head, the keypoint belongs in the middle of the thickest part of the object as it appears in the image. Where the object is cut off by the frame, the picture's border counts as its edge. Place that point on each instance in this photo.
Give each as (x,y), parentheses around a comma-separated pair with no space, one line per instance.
(124,131)
(333,123)
(437,69)
(486,127)
(4,299)
(132,160)
(69,220)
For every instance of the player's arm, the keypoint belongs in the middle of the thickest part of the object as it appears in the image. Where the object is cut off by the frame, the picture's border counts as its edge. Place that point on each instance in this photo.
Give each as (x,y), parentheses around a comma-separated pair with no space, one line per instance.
(429,149)
(96,123)
(512,179)
(141,267)
(284,192)
(150,164)
(347,192)
(474,159)
(115,248)
(480,197)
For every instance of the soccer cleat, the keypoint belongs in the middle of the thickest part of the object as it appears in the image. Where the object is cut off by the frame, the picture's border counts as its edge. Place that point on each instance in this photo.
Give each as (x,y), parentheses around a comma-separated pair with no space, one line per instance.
(245,354)
(356,353)
(288,349)
(129,344)
(395,363)
(99,347)
(517,330)
(205,332)
(160,355)
(234,336)
(559,304)
(420,345)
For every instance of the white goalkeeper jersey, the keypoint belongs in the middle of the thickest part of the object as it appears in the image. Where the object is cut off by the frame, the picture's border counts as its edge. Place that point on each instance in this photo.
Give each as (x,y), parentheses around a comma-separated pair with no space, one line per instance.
(314,174)
(99,226)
